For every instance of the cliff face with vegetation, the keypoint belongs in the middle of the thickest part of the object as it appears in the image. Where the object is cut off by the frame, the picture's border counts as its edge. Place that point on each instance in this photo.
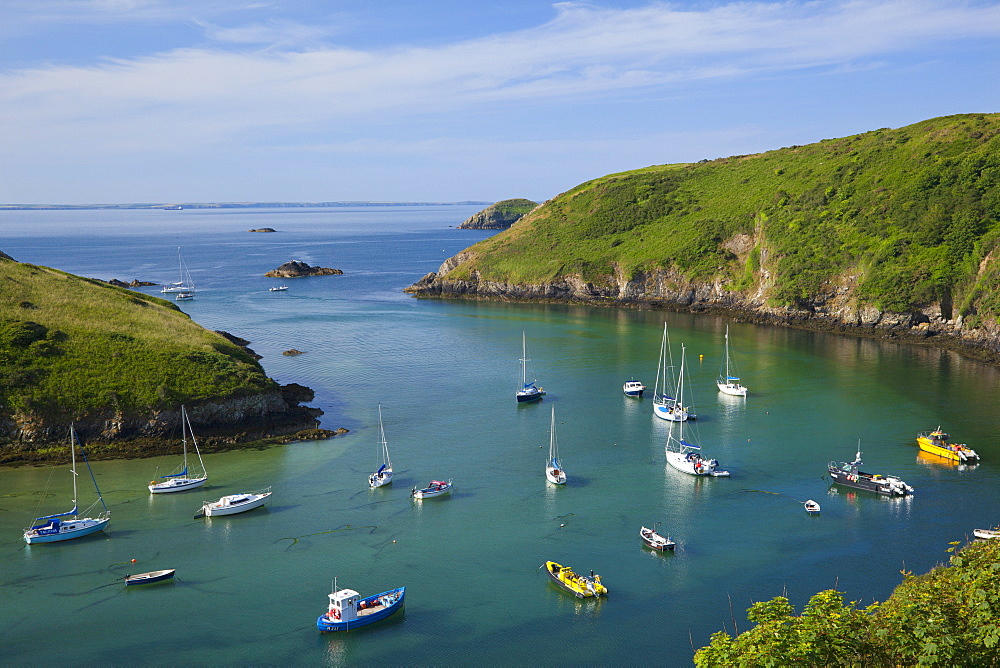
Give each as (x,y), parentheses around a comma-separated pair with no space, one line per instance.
(499,216)
(119,364)
(890,232)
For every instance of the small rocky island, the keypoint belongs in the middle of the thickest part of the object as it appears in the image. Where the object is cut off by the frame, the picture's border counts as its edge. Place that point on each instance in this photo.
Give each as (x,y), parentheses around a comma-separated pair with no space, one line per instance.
(296,269)
(263,229)
(499,216)
(136,283)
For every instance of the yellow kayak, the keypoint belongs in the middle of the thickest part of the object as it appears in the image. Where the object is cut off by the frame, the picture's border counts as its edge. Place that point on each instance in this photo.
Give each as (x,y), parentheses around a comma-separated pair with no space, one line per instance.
(581,586)
(936,443)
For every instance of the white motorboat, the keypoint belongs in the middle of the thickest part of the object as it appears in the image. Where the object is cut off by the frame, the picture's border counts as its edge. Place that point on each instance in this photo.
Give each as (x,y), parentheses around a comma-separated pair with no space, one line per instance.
(235,503)
(435,488)
(633,388)
(279,288)
(183,479)
(811,507)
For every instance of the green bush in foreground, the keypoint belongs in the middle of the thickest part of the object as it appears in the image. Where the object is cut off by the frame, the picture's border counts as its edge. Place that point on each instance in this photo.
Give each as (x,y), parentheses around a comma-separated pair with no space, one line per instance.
(947,617)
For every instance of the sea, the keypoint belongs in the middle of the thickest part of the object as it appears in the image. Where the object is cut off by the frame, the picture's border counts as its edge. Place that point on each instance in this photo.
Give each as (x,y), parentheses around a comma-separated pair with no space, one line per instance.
(249,587)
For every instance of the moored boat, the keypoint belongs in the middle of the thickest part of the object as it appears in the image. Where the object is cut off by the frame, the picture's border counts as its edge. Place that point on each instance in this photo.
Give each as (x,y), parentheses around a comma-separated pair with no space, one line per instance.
(183,479)
(435,488)
(347,610)
(150,577)
(986,534)
(728,383)
(529,392)
(382,475)
(633,388)
(235,503)
(57,529)
(581,586)
(811,507)
(554,472)
(279,288)
(655,541)
(685,455)
(849,475)
(936,443)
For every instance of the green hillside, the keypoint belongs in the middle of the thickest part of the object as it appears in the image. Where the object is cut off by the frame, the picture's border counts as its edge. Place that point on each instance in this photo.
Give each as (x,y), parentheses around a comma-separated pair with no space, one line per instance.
(70,347)
(909,216)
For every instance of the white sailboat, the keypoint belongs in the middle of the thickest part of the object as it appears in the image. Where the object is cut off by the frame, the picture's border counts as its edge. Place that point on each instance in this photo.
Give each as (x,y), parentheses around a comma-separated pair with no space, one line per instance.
(183,479)
(528,392)
(554,472)
(728,382)
(57,529)
(685,455)
(383,475)
(665,405)
(185,286)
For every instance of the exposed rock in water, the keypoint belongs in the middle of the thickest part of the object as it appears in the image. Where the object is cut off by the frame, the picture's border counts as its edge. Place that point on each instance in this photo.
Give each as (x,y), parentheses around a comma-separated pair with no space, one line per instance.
(292,352)
(499,216)
(296,269)
(263,229)
(135,283)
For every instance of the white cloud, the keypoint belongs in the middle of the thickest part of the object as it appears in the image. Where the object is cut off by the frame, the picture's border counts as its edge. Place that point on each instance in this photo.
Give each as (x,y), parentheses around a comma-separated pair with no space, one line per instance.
(214,96)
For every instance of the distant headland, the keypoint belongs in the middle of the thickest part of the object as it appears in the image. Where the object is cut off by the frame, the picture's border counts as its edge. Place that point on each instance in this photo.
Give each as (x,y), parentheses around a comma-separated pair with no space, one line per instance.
(174,206)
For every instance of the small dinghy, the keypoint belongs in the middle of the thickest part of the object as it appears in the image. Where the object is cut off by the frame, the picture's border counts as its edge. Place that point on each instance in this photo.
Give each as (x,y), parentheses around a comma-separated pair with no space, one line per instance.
(655,541)
(811,507)
(986,534)
(150,577)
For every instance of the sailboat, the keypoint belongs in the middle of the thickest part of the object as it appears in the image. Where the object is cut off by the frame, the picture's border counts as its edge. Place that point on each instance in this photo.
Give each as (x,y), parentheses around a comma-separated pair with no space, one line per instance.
(554,472)
(528,392)
(185,286)
(685,455)
(664,405)
(57,529)
(728,382)
(182,480)
(383,476)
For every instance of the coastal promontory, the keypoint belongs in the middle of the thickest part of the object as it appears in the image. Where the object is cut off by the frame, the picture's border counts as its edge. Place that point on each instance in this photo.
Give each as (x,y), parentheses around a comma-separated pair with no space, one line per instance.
(889,233)
(119,365)
(297,269)
(499,216)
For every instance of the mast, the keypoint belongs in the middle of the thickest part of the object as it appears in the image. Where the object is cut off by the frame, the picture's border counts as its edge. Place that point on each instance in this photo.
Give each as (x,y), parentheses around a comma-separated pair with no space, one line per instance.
(659,366)
(385,446)
(524,360)
(553,444)
(72,449)
(184,437)
(727,353)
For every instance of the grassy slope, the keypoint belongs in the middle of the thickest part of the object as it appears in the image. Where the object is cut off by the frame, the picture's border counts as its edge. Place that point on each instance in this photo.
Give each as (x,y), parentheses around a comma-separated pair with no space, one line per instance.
(911,211)
(69,345)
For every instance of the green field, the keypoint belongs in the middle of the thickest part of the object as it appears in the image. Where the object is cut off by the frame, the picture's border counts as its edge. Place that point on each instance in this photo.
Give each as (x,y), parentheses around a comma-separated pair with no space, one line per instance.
(71,346)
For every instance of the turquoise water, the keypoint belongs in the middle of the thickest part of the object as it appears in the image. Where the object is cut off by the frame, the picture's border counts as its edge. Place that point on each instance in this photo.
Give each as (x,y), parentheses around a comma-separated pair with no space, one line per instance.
(249,587)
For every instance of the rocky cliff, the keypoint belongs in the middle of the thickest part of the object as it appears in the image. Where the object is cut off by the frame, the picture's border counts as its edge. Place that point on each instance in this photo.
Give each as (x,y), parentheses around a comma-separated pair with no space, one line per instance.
(499,216)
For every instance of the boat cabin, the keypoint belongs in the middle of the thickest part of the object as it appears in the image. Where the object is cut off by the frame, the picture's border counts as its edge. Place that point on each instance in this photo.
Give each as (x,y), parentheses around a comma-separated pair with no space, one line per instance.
(344,605)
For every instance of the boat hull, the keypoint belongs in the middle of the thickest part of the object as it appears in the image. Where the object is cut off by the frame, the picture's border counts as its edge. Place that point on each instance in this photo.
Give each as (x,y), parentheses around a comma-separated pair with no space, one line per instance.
(380,480)
(69,531)
(176,485)
(528,397)
(732,389)
(986,534)
(218,508)
(866,482)
(430,493)
(149,578)
(682,462)
(952,452)
(326,624)
(655,541)
(670,413)
(555,476)
(553,569)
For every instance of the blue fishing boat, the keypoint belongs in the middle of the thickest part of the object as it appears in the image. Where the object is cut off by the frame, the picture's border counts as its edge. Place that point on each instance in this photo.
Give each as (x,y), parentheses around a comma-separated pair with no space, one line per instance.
(348,610)
(59,529)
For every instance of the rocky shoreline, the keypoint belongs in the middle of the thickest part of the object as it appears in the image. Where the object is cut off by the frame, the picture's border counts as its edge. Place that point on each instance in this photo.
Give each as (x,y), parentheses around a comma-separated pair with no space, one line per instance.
(835,311)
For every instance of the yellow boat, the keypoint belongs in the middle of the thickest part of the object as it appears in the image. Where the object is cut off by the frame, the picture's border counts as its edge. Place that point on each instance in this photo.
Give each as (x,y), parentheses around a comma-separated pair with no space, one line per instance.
(936,443)
(581,586)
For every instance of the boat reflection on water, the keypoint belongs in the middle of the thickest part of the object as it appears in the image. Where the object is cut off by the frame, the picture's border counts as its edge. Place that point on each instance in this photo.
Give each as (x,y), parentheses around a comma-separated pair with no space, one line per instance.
(935,462)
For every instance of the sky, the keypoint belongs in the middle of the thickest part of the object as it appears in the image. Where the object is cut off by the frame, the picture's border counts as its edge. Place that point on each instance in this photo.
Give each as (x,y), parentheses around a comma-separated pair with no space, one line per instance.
(126,101)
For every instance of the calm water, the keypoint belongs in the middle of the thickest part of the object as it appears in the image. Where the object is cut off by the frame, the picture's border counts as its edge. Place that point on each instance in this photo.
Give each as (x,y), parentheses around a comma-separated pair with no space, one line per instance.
(249,587)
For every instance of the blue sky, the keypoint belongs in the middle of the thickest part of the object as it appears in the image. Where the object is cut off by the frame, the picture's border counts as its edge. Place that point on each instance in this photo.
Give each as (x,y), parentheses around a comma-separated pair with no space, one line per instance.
(446,100)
